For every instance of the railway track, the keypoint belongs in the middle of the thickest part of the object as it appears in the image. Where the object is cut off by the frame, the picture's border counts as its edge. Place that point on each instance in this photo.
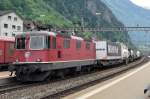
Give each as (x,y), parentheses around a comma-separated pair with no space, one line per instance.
(106,74)
(60,88)
(6,81)
(4,67)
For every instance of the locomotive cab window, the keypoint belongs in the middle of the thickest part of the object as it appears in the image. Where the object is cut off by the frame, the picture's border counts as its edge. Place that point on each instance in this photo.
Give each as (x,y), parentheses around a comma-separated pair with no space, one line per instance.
(78,44)
(20,43)
(37,42)
(47,42)
(54,42)
(66,43)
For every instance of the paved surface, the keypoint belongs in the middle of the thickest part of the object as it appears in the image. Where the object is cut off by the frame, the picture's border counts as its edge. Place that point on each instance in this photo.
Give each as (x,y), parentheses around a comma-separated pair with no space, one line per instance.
(129,85)
(4,74)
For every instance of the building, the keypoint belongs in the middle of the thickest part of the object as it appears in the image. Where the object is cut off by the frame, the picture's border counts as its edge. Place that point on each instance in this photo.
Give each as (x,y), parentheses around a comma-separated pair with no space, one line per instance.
(10,23)
(29,25)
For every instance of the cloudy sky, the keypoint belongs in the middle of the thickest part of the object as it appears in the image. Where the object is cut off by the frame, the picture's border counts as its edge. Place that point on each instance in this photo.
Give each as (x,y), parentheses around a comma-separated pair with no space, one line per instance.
(143,3)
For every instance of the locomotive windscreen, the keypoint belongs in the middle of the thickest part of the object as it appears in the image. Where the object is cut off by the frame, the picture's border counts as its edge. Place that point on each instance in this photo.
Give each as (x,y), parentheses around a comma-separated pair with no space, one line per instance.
(37,42)
(20,43)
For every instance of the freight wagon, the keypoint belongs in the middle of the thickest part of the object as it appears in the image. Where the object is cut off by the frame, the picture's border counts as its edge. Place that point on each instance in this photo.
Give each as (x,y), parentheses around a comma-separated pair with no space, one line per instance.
(110,52)
(6,51)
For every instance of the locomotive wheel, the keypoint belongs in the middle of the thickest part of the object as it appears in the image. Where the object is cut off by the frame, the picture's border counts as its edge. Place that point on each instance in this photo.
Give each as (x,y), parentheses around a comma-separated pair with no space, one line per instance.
(86,69)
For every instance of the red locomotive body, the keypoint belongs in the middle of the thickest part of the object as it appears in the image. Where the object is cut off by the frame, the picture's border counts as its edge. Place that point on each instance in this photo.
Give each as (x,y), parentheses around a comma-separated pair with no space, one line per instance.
(6,50)
(53,48)
(40,53)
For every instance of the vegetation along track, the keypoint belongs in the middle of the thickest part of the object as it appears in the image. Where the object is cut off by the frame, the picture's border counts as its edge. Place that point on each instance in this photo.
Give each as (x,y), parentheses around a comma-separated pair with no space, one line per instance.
(63,87)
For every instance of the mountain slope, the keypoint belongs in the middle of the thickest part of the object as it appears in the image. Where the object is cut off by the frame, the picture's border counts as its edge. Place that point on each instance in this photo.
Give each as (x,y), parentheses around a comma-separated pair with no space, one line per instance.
(34,10)
(131,15)
(68,13)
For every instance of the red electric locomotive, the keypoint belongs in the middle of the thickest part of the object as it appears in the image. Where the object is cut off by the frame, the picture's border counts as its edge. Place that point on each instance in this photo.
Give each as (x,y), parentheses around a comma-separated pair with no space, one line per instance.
(6,51)
(39,54)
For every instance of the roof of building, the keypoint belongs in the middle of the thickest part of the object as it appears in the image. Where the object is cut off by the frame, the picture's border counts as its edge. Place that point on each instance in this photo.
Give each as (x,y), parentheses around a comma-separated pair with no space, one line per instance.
(6,38)
(5,12)
(36,33)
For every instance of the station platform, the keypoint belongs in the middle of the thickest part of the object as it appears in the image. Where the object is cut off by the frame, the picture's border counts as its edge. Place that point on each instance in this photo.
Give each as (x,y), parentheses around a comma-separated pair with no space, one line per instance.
(129,85)
(5,74)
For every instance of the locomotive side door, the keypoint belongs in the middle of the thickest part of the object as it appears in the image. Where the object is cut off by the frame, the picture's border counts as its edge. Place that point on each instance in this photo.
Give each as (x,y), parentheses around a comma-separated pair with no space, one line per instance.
(9,52)
(59,47)
(2,52)
(52,53)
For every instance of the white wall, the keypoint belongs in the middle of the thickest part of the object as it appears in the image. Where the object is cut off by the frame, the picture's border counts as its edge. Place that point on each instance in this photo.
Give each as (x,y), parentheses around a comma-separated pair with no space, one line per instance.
(0,27)
(4,20)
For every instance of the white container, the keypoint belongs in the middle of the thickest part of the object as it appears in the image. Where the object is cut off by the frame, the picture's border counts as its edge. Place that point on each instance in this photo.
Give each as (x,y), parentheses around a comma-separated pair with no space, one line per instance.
(108,50)
(124,51)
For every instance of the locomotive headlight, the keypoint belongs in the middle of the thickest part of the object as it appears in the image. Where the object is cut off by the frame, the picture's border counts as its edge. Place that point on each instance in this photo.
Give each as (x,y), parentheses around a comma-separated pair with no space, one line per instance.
(38,60)
(17,60)
(27,54)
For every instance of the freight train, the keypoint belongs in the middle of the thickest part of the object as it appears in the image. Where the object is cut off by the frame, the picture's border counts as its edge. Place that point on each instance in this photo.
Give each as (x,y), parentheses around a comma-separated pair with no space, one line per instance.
(6,51)
(41,54)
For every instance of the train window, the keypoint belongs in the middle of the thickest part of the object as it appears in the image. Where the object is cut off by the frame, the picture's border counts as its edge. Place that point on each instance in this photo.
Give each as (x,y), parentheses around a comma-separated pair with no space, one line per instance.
(87,45)
(48,40)
(78,44)
(5,25)
(94,47)
(37,42)
(54,42)
(20,43)
(66,43)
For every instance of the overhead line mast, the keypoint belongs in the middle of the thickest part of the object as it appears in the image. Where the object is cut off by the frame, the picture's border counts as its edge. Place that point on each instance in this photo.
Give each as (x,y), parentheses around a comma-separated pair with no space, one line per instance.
(107,29)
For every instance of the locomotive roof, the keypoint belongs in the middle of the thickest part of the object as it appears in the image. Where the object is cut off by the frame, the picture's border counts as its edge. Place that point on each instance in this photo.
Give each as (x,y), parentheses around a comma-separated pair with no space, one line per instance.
(70,36)
(6,38)
(37,33)
(76,37)
(50,33)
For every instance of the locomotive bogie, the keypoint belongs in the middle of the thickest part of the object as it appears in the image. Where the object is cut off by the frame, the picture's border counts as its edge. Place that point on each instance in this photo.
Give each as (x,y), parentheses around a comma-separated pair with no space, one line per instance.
(45,67)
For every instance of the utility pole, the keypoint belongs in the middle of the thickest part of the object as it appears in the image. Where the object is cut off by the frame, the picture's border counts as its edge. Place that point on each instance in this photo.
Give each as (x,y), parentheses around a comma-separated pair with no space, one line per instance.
(82,22)
(83,16)
(99,16)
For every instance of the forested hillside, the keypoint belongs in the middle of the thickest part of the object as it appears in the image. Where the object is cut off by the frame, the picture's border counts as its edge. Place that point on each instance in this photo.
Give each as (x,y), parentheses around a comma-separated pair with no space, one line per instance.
(68,13)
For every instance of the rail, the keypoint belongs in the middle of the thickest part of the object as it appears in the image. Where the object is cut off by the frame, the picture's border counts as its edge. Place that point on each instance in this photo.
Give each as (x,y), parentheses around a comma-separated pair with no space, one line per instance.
(48,89)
